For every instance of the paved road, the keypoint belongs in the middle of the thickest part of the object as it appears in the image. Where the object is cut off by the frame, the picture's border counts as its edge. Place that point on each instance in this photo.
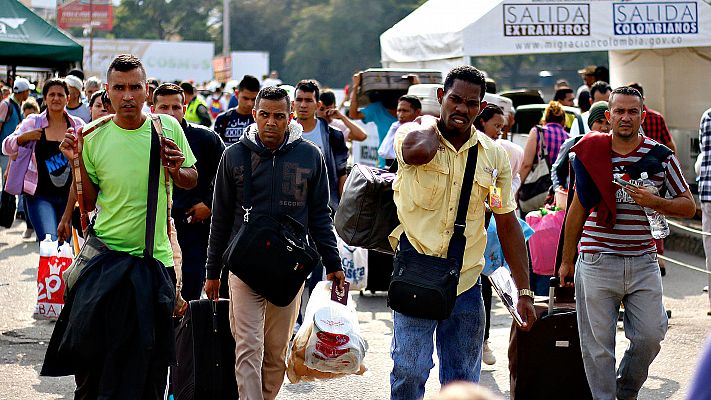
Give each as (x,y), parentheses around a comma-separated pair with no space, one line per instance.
(23,340)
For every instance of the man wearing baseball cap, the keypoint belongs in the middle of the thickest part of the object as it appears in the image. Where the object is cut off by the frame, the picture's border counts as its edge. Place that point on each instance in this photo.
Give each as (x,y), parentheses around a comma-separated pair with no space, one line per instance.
(75,106)
(10,114)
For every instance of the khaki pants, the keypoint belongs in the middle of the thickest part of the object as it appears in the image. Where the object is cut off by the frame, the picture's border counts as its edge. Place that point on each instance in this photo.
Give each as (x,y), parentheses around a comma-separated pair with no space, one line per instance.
(262,332)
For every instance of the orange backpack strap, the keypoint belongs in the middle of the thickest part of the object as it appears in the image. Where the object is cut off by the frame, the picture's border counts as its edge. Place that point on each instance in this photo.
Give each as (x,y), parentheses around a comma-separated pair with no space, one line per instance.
(158,125)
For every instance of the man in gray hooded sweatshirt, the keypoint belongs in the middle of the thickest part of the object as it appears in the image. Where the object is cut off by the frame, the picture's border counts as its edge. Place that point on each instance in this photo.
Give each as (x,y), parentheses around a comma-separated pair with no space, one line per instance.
(289,177)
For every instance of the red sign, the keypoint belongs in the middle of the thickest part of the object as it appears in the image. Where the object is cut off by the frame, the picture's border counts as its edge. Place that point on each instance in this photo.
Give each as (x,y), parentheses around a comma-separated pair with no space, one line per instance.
(84,13)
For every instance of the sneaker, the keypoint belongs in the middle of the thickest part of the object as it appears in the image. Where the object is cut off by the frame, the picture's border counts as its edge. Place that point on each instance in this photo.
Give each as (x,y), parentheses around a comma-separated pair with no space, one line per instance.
(28,233)
(488,355)
(706,289)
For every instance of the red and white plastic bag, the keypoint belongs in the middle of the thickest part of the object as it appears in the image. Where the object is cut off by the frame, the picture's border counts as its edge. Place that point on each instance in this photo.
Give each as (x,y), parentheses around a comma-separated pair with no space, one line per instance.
(53,261)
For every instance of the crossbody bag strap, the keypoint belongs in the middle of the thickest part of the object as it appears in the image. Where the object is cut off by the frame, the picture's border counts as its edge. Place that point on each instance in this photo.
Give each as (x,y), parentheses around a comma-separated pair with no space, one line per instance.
(542,148)
(458,240)
(246,181)
(76,172)
(152,199)
(158,126)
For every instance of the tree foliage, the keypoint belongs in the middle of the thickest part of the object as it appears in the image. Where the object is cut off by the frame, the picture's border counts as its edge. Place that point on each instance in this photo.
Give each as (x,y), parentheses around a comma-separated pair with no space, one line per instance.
(164,19)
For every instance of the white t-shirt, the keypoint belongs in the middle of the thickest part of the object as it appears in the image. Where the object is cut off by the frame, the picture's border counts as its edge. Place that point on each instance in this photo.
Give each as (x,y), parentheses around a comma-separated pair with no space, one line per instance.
(515,159)
(314,135)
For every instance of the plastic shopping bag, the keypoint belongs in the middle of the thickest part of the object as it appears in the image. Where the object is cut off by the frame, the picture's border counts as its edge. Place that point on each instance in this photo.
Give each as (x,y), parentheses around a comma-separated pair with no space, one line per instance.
(354,261)
(328,344)
(544,243)
(53,262)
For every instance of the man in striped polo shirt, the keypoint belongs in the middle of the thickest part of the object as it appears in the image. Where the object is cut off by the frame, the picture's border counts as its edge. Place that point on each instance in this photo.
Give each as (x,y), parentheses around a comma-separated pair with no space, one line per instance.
(618,258)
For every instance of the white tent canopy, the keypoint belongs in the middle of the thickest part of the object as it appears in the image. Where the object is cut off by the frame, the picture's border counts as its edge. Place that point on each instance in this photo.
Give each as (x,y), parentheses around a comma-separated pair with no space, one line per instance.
(443,31)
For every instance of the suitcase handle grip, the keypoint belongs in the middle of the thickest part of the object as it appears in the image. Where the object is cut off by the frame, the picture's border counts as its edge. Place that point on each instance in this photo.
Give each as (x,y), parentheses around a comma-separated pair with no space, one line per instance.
(213,304)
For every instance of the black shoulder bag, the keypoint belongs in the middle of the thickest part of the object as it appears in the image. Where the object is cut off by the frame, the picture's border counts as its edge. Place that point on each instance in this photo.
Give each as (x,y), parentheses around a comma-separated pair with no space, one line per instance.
(425,286)
(271,254)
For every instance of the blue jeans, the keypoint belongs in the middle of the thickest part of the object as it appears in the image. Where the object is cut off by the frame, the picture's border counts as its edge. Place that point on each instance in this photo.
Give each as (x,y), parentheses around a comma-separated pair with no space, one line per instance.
(45,212)
(459,346)
(602,281)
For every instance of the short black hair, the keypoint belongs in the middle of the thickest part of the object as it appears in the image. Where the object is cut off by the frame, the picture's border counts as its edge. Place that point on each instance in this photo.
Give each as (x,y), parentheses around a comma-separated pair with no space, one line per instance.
(628,91)
(167,89)
(327,97)
(55,82)
(309,86)
(250,83)
(584,100)
(490,86)
(602,73)
(413,100)
(466,73)
(95,96)
(561,93)
(76,72)
(486,114)
(601,87)
(187,87)
(273,93)
(636,85)
(125,63)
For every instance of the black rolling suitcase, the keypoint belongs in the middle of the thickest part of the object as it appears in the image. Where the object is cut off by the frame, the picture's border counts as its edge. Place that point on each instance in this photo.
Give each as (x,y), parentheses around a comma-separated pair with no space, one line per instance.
(550,352)
(205,353)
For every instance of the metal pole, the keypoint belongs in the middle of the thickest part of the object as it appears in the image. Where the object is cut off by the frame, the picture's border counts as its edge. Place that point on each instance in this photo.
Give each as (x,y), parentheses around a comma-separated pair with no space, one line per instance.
(91,35)
(226,27)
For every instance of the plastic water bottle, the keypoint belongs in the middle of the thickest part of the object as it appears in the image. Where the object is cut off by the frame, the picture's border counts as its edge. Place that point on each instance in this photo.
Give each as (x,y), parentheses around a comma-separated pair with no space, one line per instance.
(657,221)
(48,247)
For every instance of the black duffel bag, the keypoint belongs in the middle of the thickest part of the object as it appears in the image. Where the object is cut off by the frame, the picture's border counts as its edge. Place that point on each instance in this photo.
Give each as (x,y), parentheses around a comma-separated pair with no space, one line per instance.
(366,213)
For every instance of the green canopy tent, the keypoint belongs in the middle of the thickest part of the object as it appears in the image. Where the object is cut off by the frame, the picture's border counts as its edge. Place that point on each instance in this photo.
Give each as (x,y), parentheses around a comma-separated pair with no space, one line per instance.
(28,40)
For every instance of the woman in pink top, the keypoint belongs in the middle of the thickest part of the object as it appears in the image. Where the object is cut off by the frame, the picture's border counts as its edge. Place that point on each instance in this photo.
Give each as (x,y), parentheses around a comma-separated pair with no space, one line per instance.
(48,176)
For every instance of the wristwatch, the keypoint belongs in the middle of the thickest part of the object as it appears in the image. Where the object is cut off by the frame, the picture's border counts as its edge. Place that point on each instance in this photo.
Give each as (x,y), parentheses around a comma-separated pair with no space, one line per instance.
(526,292)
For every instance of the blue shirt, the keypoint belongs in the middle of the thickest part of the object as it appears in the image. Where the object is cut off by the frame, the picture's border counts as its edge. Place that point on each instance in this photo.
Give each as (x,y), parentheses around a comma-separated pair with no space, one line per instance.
(9,124)
(378,114)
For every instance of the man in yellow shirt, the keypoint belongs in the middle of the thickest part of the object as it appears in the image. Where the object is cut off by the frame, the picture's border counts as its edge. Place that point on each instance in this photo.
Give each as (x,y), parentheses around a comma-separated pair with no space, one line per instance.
(432,158)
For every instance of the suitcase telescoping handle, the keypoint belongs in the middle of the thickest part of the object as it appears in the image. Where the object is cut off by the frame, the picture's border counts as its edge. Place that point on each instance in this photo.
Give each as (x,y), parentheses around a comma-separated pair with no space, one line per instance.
(555,281)
(214,316)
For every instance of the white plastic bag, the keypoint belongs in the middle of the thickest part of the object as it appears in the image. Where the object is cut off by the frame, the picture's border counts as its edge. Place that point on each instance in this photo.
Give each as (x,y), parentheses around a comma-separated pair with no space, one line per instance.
(328,343)
(354,261)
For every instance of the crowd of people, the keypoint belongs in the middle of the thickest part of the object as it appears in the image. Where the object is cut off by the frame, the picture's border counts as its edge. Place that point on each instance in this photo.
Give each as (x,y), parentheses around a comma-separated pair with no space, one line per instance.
(295,140)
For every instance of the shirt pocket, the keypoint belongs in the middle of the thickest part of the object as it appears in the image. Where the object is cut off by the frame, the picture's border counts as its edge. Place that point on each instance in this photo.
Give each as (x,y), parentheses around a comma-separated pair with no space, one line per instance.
(480,190)
(432,180)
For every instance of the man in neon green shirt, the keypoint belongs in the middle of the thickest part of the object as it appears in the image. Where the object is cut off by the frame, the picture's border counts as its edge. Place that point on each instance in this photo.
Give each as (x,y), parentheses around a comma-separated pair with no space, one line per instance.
(115,158)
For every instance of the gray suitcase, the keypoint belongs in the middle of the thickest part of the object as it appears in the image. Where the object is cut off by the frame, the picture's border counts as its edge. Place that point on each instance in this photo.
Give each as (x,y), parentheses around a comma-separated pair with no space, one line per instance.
(395,78)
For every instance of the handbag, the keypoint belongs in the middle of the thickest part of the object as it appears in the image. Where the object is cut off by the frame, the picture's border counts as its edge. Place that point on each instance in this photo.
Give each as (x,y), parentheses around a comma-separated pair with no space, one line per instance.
(367,213)
(425,286)
(271,254)
(535,188)
(93,246)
